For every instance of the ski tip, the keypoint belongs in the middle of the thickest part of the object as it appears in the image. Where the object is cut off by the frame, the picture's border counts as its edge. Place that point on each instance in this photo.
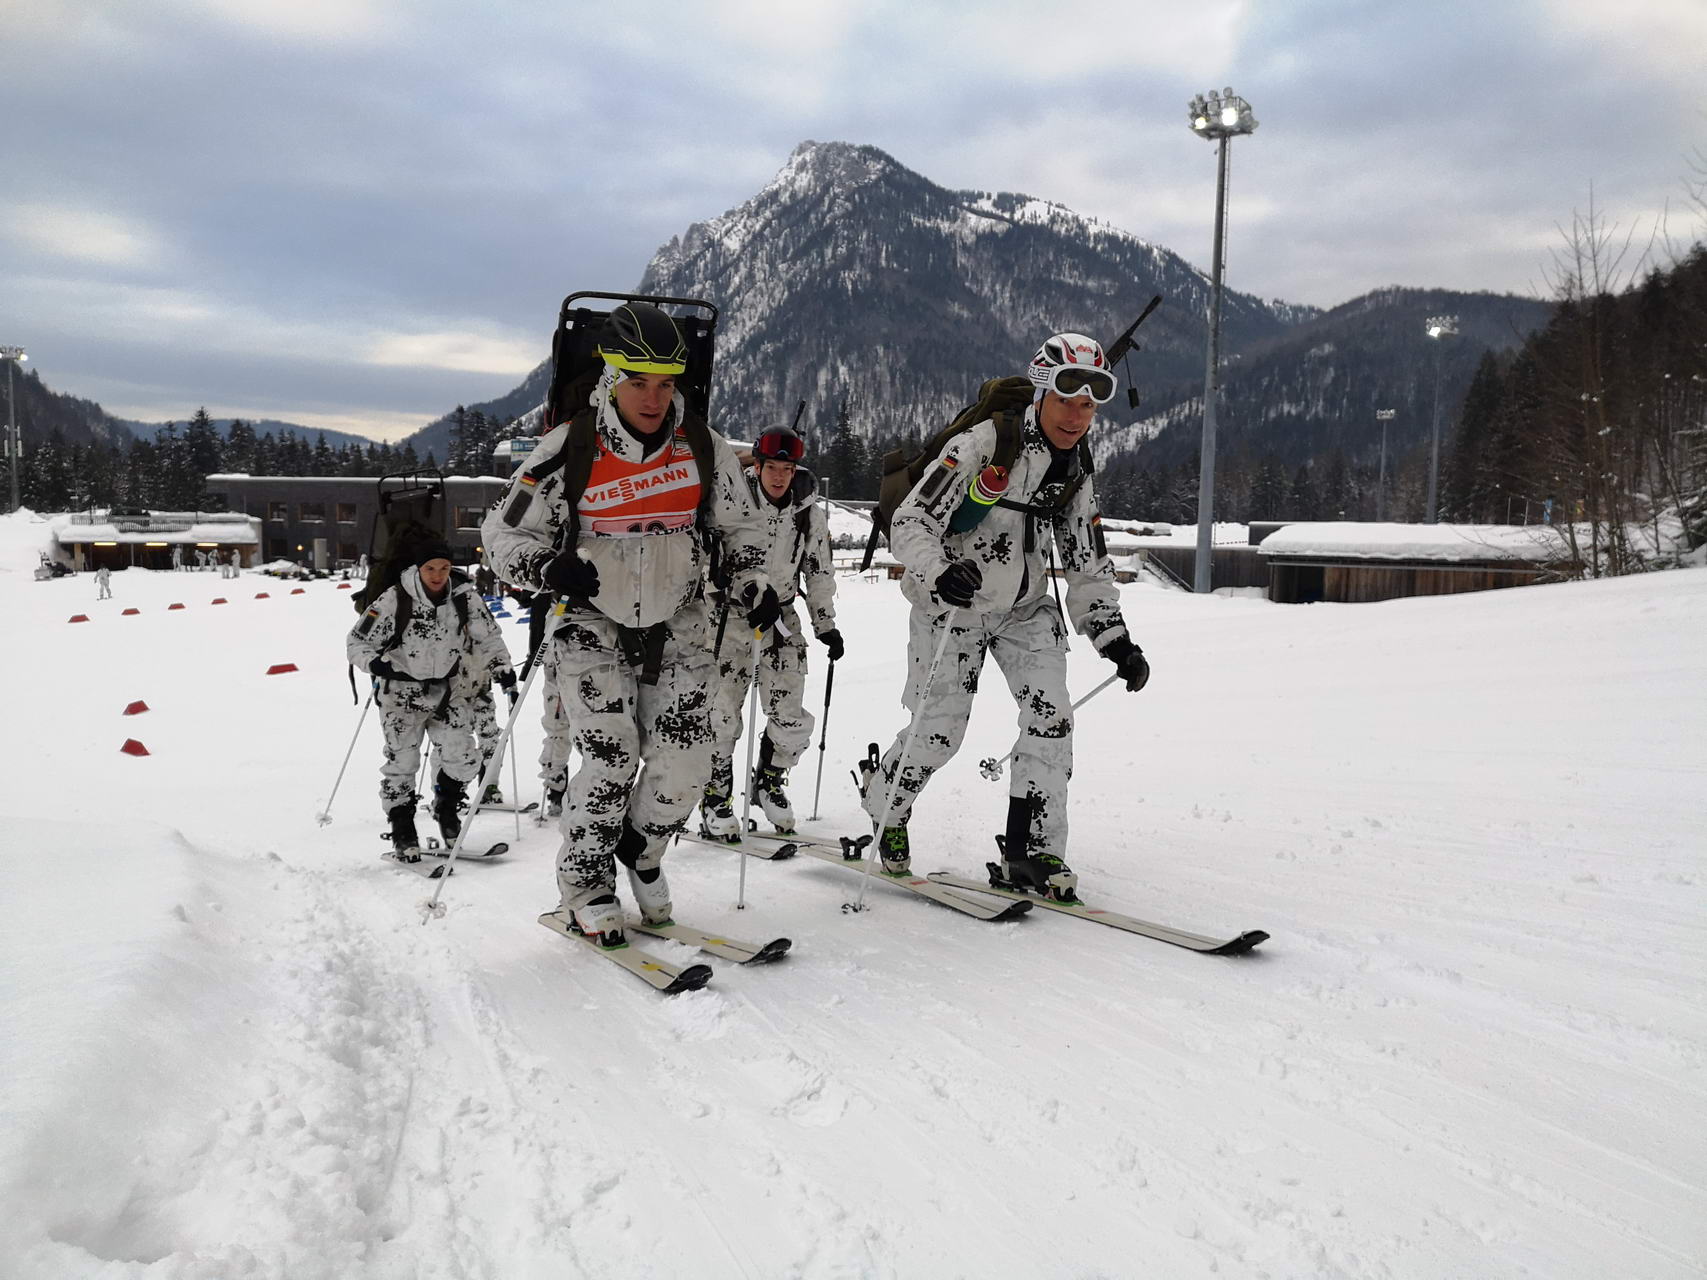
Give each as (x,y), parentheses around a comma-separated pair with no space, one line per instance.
(1014,912)
(774,950)
(1242,944)
(691,978)
(497,850)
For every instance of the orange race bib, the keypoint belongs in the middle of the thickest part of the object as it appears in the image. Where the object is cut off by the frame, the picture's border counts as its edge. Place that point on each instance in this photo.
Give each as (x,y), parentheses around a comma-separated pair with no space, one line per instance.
(632,499)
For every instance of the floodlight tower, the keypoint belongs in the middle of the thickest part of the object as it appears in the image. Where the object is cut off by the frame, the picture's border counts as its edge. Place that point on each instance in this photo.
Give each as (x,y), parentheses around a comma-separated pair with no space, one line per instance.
(1219,117)
(13,356)
(1438,328)
(1383,416)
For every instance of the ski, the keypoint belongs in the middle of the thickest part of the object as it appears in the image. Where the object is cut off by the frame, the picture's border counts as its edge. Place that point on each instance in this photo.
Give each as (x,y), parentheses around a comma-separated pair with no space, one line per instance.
(978,905)
(769,852)
(423,865)
(434,849)
(661,974)
(1237,945)
(716,944)
(529,807)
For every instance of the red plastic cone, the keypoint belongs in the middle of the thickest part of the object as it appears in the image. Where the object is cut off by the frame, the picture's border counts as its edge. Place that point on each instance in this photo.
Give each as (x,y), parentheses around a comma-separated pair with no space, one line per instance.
(262,595)
(133,748)
(219,600)
(297,591)
(78,617)
(136,708)
(126,613)
(344,586)
(281,668)
(170,607)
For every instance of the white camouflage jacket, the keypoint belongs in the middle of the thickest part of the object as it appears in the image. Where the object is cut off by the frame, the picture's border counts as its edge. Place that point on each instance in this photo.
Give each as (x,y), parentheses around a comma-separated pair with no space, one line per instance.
(433,644)
(1015,580)
(642,579)
(797,560)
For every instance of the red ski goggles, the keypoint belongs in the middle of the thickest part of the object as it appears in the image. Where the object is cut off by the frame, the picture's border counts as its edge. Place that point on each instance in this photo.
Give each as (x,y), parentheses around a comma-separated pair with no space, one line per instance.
(779,446)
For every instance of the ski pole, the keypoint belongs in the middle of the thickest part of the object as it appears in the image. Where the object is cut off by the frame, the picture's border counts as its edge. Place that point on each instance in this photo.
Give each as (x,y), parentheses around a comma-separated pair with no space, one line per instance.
(515,789)
(823,736)
(494,768)
(325,815)
(747,793)
(858,903)
(991,768)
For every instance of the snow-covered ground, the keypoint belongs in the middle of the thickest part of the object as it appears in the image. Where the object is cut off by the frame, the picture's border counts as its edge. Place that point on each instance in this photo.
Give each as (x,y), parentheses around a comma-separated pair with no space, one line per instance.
(1474,1046)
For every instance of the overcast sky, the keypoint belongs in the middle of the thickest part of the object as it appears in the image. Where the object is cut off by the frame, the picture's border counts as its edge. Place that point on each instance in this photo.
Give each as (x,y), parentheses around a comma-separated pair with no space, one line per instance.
(357,213)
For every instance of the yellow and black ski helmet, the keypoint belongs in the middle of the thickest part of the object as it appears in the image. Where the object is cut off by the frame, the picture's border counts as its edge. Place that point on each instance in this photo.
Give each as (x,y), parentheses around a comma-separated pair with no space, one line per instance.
(639,338)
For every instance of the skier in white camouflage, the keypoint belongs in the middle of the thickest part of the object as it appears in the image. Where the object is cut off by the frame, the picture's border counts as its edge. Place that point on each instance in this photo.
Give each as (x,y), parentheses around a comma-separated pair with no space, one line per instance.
(797,538)
(417,639)
(983,573)
(611,511)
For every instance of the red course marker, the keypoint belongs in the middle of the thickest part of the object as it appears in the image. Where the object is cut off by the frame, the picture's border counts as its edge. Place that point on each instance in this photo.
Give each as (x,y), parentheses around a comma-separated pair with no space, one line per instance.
(297,591)
(170,607)
(344,586)
(261,595)
(78,617)
(133,748)
(281,668)
(219,600)
(136,708)
(126,613)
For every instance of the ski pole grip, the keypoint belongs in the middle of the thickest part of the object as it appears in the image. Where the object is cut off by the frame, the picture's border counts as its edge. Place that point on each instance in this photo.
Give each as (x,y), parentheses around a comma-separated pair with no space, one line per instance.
(986,489)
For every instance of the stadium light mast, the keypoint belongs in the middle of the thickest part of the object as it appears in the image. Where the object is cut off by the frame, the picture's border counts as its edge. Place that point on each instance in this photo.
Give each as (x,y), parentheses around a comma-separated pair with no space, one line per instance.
(1437,328)
(1218,117)
(1383,416)
(13,356)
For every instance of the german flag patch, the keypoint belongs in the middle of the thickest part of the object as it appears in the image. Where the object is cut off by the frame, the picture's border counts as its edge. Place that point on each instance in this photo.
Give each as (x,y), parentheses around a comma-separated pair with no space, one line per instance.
(529,479)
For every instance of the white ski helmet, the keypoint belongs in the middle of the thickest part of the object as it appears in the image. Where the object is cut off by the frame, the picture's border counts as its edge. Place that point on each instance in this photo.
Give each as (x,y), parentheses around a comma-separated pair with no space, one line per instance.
(1070,364)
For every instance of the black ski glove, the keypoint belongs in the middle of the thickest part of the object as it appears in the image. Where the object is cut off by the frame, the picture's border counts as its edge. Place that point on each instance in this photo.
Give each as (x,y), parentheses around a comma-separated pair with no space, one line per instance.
(957,584)
(1128,660)
(507,682)
(832,640)
(569,575)
(385,671)
(762,610)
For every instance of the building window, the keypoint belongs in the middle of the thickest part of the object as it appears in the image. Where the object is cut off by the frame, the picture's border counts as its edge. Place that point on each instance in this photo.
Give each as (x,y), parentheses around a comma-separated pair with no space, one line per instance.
(278,511)
(311,512)
(216,501)
(470,517)
(347,551)
(277,549)
(346,513)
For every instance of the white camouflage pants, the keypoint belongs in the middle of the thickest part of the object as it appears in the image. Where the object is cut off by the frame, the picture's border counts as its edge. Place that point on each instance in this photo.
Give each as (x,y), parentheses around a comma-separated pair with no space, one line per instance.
(554,754)
(1032,655)
(645,748)
(482,722)
(782,692)
(406,709)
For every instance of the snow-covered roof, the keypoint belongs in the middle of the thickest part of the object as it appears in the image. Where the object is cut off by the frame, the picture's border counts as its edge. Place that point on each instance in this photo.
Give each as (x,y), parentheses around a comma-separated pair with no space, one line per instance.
(1368,540)
(227,533)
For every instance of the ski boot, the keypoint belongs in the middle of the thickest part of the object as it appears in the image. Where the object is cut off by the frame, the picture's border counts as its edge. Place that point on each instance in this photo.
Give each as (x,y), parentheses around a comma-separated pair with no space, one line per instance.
(896,851)
(645,874)
(554,803)
(868,768)
(599,919)
(1041,873)
(768,783)
(448,797)
(405,843)
(717,820)
(492,794)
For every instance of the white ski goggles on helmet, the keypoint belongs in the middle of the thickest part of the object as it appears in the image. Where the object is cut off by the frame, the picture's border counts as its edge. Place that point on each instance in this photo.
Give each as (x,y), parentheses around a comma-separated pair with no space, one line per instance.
(1070,381)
